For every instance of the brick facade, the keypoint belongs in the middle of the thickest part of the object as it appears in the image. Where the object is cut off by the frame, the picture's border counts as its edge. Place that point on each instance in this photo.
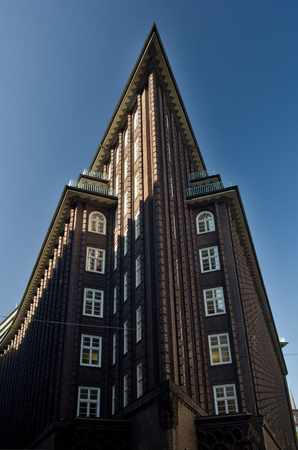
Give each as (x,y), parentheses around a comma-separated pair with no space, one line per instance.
(159,388)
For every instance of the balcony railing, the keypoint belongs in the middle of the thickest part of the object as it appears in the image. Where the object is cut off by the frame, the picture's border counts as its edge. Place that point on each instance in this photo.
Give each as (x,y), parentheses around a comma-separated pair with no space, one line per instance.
(94,173)
(206,188)
(202,174)
(92,187)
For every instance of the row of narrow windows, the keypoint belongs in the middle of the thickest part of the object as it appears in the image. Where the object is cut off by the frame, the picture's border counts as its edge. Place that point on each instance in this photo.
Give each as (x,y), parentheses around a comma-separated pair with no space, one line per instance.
(89,397)
(93,305)
(97,220)
(219,346)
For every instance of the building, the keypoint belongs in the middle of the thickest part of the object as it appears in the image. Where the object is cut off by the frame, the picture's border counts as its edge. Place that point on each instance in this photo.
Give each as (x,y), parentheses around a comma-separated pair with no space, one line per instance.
(145,323)
(295,411)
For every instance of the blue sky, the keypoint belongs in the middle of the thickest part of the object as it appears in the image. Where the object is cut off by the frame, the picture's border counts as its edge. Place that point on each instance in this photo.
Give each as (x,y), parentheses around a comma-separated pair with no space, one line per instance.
(63,66)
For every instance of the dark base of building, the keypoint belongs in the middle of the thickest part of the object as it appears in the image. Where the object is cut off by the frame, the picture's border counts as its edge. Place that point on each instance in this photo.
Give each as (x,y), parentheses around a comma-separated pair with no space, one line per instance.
(164,419)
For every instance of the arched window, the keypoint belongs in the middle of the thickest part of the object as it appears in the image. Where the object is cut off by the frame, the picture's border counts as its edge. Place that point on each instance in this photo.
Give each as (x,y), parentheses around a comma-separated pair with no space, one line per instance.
(205,222)
(97,223)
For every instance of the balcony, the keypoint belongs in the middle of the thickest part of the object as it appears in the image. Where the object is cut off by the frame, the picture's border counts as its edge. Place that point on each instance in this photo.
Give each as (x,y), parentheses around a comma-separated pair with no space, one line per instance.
(203,174)
(96,188)
(93,173)
(207,188)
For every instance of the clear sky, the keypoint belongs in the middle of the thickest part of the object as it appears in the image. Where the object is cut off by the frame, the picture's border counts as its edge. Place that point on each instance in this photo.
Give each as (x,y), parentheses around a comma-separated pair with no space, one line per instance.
(63,67)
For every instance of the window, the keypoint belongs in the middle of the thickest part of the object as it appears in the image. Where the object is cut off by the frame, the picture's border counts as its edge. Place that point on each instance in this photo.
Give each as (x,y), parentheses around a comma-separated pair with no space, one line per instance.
(137,150)
(90,350)
(117,185)
(219,349)
(126,168)
(93,302)
(137,184)
(95,260)
(205,222)
(113,399)
(138,324)
(125,241)
(126,138)
(137,225)
(88,401)
(115,256)
(125,286)
(209,259)
(139,380)
(136,119)
(138,271)
(125,390)
(114,348)
(115,300)
(125,336)
(126,203)
(97,223)
(117,155)
(225,399)
(214,301)
(167,121)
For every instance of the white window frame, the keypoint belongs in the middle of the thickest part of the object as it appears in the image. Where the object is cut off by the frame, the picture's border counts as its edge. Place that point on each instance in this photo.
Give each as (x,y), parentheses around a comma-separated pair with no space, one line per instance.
(91,351)
(125,282)
(125,238)
(125,391)
(97,220)
(138,271)
(93,301)
(96,260)
(115,256)
(125,337)
(209,259)
(137,184)
(139,380)
(138,324)
(90,402)
(126,168)
(113,399)
(117,155)
(205,222)
(137,224)
(136,150)
(214,301)
(114,348)
(224,403)
(219,349)
(115,299)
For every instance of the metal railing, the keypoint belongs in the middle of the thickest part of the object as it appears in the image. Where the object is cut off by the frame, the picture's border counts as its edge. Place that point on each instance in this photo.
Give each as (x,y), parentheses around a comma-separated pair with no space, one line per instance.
(98,189)
(94,173)
(202,174)
(206,188)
